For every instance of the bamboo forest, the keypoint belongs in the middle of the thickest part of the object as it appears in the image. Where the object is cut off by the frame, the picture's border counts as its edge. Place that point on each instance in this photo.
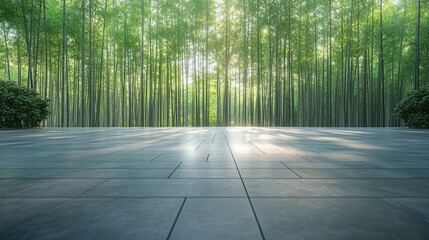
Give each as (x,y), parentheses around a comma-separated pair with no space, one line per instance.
(164,63)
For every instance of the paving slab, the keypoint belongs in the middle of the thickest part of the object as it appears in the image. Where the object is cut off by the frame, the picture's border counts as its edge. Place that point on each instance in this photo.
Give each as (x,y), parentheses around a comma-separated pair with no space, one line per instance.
(418,207)
(220,157)
(328,164)
(59,188)
(11,186)
(13,173)
(114,173)
(261,157)
(88,164)
(205,165)
(348,157)
(175,157)
(414,164)
(169,188)
(216,218)
(206,173)
(258,164)
(267,173)
(336,218)
(147,218)
(15,210)
(337,187)
(363,173)
(117,157)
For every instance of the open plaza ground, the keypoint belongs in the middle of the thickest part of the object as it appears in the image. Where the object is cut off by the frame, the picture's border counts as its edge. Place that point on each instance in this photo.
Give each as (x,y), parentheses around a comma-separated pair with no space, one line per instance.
(214,183)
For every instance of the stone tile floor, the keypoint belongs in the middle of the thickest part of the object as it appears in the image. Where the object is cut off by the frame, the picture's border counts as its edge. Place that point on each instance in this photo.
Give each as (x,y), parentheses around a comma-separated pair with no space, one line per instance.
(214,183)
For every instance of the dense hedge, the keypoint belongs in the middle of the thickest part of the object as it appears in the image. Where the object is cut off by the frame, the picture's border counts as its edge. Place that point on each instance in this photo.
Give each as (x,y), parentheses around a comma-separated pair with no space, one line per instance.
(21,107)
(414,109)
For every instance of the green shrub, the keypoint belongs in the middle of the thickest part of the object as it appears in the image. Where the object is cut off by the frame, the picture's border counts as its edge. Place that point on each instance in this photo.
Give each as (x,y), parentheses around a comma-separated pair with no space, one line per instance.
(21,107)
(414,109)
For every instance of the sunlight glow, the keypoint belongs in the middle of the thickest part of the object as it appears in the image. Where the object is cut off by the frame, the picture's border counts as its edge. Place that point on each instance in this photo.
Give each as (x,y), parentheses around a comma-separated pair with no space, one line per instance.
(348,143)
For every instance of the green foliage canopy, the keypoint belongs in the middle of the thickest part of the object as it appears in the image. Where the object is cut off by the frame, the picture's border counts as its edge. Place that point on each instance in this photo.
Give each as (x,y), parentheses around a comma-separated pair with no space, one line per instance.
(21,107)
(330,63)
(414,109)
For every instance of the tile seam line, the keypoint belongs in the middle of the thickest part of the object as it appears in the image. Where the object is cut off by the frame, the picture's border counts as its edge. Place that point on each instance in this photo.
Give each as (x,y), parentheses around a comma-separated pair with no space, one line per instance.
(92,187)
(281,147)
(200,145)
(402,210)
(177,218)
(155,158)
(292,170)
(171,174)
(27,188)
(251,143)
(214,137)
(245,189)
(198,134)
(304,157)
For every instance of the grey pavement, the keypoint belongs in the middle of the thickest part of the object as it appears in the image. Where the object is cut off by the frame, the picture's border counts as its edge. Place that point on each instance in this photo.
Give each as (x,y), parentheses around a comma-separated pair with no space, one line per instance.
(214,183)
